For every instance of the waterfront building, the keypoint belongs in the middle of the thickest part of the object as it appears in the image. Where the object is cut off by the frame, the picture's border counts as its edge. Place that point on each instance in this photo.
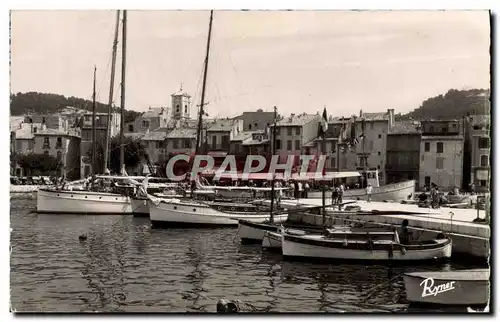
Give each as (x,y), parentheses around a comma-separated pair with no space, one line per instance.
(403,152)
(477,161)
(441,154)
(257,120)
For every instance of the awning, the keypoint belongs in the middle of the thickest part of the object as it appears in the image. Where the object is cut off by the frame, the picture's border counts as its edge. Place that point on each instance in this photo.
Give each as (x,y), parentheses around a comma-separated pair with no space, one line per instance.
(482,175)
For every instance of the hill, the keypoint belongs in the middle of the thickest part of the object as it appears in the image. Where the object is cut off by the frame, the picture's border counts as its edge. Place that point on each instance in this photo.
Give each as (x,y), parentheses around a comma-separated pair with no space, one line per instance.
(46,103)
(452,105)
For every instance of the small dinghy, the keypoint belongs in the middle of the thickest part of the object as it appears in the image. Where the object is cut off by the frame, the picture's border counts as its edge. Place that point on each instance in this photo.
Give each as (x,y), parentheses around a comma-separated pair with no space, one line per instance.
(463,287)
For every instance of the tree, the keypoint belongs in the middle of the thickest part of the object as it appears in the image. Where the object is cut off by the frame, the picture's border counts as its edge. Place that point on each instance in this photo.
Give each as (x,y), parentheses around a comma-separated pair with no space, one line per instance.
(38,163)
(133,154)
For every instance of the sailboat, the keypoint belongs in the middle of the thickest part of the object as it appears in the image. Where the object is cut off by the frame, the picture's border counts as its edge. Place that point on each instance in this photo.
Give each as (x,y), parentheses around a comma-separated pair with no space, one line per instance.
(175,211)
(71,199)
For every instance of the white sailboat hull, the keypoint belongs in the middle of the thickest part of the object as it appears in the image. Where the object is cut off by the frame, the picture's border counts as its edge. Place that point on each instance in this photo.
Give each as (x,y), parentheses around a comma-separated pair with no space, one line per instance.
(251,234)
(82,202)
(315,247)
(175,212)
(140,206)
(393,191)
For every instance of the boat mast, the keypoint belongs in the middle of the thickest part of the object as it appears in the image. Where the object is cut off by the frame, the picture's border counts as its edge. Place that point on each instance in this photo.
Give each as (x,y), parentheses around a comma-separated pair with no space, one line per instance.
(271,217)
(111,87)
(93,127)
(122,100)
(202,104)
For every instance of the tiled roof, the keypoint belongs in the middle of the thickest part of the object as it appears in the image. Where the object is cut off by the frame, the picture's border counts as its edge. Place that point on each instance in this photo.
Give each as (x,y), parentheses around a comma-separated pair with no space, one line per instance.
(134,135)
(298,120)
(406,127)
(15,122)
(480,119)
(154,136)
(69,132)
(182,133)
(381,116)
(152,112)
(244,135)
(25,132)
(222,125)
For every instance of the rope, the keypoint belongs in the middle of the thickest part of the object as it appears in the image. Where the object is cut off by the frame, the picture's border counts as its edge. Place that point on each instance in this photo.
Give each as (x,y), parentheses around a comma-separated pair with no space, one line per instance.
(235,236)
(373,290)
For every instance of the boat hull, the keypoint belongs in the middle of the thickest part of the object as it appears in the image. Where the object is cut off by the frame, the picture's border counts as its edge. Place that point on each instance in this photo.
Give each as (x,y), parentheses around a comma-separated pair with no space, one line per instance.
(464,292)
(393,191)
(176,213)
(271,241)
(82,202)
(253,233)
(140,207)
(319,247)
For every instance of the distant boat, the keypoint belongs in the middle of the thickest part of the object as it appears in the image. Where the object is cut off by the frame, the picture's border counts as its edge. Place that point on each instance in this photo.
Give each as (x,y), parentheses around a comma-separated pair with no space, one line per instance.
(393,191)
(462,287)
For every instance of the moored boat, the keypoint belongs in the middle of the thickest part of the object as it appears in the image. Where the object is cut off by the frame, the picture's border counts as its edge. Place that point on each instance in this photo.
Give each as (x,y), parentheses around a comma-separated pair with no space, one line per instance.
(363,246)
(462,287)
(177,212)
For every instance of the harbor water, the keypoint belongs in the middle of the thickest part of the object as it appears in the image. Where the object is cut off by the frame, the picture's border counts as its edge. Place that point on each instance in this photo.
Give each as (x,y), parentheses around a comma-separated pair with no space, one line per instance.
(126,266)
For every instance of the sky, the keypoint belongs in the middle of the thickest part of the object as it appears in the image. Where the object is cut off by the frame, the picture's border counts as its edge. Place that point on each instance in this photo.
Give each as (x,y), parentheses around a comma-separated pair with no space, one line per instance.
(299,61)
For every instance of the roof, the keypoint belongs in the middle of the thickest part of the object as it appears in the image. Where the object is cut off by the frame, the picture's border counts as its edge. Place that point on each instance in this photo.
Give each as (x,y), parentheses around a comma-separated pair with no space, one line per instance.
(380,116)
(15,122)
(480,119)
(256,142)
(298,120)
(69,132)
(242,136)
(134,135)
(25,132)
(405,127)
(181,93)
(152,112)
(442,137)
(222,125)
(154,136)
(182,133)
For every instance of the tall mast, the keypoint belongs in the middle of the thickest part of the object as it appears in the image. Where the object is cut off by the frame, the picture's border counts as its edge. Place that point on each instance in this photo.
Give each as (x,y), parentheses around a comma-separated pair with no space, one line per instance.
(93,127)
(271,217)
(111,87)
(202,104)
(122,100)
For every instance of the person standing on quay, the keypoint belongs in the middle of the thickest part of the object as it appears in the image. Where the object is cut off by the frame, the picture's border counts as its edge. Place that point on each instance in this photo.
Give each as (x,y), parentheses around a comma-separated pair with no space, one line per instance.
(369,190)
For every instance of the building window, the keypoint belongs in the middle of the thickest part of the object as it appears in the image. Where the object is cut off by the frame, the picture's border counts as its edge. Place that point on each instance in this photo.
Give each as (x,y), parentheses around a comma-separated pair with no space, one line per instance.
(439,147)
(439,163)
(334,147)
(59,143)
(427,181)
(177,108)
(380,136)
(484,143)
(249,126)
(175,143)
(484,160)
(145,124)
(277,131)
(297,144)
(214,142)
(297,130)
(427,146)
(379,153)
(482,183)
(289,130)
(185,109)
(431,129)
(131,128)
(256,125)
(46,142)
(333,162)
(278,144)
(378,167)
(371,125)
(59,156)
(289,145)
(454,125)
(187,143)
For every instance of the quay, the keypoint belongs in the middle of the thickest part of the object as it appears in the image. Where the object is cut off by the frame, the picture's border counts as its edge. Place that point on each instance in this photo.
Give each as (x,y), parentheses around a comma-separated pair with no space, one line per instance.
(469,238)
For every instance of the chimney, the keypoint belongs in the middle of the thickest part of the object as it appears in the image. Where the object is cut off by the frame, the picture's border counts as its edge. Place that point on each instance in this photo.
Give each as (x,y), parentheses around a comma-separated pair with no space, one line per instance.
(391,117)
(360,113)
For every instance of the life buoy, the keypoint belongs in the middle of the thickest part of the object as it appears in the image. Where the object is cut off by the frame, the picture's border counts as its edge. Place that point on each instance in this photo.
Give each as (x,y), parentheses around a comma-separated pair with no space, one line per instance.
(232,208)
(245,209)
(219,208)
